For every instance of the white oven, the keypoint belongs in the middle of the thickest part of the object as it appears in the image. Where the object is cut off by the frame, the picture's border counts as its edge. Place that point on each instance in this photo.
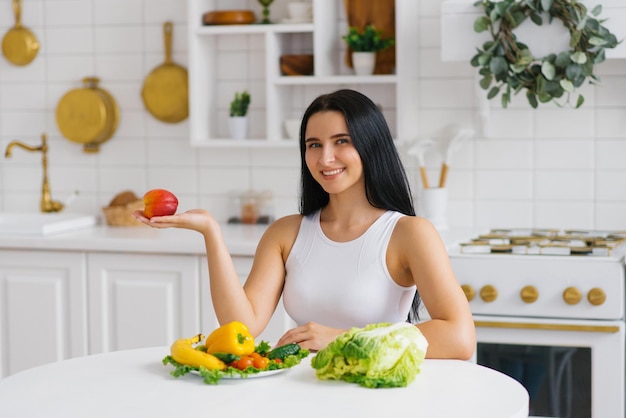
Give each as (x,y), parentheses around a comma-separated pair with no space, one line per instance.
(549,309)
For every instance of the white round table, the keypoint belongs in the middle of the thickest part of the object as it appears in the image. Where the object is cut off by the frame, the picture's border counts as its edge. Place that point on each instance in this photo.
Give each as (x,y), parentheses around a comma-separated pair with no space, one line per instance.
(134,383)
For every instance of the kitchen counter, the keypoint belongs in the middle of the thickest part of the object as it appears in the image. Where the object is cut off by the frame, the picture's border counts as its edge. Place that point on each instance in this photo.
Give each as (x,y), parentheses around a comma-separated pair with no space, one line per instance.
(240,239)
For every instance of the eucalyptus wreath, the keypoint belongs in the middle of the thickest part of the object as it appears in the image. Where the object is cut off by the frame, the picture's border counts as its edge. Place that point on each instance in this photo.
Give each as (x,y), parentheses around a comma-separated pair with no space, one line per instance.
(507,65)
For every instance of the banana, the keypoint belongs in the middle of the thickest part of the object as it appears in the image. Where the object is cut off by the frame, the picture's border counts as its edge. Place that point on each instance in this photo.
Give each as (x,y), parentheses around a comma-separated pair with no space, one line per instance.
(184,353)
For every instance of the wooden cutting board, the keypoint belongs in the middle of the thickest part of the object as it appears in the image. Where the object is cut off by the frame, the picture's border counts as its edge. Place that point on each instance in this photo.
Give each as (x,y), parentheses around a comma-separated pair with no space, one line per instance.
(381,14)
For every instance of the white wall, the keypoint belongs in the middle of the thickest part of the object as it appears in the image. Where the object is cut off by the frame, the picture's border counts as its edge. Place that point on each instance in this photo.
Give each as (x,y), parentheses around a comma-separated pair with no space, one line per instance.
(551,167)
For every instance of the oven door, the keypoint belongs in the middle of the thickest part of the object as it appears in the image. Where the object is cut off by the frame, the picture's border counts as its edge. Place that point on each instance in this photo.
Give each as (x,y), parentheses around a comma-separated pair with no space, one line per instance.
(570,368)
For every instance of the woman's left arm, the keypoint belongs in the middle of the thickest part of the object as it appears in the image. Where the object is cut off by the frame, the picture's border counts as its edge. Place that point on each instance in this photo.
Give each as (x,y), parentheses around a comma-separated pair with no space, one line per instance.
(417,255)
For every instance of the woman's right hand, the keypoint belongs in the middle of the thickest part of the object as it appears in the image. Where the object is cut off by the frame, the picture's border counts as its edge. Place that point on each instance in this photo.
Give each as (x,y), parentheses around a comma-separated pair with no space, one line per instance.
(195,219)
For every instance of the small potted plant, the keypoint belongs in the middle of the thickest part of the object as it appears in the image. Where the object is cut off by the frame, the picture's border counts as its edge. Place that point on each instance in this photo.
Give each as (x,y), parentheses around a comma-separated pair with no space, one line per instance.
(364,46)
(238,122)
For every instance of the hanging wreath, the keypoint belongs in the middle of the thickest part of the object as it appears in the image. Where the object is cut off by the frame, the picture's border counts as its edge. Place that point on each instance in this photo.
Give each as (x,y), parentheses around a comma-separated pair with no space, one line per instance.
(508,66)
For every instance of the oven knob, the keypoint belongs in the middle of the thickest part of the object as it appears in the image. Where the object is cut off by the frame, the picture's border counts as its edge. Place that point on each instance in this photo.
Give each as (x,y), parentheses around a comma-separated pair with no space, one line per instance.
(488,293)
(596,296)
(529,294)
(469,291)
(572,295)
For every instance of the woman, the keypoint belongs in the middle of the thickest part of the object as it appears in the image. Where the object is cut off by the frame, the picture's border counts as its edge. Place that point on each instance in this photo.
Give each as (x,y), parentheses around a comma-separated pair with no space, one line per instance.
(356,253)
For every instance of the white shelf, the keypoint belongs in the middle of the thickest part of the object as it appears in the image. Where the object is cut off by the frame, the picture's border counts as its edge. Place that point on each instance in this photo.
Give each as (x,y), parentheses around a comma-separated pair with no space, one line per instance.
(254,29)
(338,79)
(284,97)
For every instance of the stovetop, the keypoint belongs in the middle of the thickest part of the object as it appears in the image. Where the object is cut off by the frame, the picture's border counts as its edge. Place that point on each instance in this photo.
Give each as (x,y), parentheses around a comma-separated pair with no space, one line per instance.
(586,243)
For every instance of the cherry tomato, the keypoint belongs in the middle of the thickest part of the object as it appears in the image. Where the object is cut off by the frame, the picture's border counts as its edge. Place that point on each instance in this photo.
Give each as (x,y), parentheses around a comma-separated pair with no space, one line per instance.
(261,362)
(244,362)
(255,355)
(277,360)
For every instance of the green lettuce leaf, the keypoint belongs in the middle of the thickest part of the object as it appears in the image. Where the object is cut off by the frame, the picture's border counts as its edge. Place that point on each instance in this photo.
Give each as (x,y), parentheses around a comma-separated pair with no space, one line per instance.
(377,356)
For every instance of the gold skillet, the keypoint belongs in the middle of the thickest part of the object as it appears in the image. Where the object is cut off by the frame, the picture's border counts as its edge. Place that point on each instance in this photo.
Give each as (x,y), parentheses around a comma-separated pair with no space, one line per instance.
(19,44)
(165,90)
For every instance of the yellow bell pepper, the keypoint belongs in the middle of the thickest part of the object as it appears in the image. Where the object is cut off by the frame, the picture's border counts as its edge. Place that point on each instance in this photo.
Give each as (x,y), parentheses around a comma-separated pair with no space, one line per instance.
(183,352)
(232,338)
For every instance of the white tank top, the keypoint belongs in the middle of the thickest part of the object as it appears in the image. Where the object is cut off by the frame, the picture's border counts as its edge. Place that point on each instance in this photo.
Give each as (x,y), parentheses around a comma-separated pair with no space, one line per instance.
(344,284)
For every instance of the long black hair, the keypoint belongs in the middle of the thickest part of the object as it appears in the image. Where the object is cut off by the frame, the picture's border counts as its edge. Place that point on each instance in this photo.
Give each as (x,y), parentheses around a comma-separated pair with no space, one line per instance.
(386,184)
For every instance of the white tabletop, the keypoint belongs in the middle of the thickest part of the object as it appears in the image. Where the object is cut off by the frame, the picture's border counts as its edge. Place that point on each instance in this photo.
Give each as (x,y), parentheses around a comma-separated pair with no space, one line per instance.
(134,383)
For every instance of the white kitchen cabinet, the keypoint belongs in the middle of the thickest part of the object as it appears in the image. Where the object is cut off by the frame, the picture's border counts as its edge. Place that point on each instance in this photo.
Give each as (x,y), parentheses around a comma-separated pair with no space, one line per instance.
(277,326)
(43,314)
(141,300)
(285,97)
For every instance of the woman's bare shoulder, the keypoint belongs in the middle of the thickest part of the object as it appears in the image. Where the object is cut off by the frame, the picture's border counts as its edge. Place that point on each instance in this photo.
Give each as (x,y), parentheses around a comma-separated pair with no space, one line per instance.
(289,221)
(285,228)
(415,225)
(415,229)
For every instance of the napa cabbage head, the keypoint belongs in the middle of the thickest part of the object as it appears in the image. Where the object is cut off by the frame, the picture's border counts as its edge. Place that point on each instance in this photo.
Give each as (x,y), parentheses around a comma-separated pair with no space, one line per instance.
(376,356)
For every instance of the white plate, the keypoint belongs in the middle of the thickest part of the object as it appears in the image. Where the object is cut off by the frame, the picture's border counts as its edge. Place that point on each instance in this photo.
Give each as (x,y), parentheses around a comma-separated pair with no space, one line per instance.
(249,376)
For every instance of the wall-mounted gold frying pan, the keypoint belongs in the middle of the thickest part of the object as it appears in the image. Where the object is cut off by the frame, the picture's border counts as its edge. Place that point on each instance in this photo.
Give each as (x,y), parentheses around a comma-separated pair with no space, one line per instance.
(165,90)
(19,44)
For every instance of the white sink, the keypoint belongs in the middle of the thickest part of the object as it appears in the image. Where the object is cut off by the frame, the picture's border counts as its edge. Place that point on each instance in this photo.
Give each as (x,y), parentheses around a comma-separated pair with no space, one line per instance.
(43,223)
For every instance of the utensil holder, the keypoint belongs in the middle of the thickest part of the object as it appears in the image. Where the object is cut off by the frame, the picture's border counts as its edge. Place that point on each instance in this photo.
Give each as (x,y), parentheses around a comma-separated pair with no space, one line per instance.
(433,203)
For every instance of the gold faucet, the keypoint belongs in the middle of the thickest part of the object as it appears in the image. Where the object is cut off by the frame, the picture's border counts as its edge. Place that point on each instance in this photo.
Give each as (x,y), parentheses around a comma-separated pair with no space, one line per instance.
(47,204)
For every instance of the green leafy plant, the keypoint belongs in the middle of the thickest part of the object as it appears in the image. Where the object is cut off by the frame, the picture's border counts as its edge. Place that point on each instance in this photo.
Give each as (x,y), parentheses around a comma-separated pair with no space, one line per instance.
(239,105)
(508,66)
(369,40)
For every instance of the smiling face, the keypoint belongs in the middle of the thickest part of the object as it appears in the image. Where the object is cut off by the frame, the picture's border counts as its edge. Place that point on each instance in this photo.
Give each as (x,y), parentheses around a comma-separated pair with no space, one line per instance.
(330,155)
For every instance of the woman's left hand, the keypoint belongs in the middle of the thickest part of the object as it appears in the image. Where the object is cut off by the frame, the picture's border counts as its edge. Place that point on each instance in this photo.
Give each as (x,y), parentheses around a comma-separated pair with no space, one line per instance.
(311,336)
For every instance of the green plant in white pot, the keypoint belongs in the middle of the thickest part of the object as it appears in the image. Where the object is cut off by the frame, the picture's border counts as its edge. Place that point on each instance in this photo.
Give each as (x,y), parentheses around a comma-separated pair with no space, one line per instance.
(364,46)
(238,121)
(507,65)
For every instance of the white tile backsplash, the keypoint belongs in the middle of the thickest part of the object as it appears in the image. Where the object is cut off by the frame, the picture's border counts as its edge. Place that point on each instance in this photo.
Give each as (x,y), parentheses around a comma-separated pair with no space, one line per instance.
(605,186)
(504,184)
(503,214)
(545,167)
(565,123)
(512,123)
(610,216)
(118,12)
(567,214)
(610,123)
(611,91)
(33,72)
(118,39)
(611,154)
(564,154)
(564,185)
(447,93)
(70,40)
(69,12)
(69,68)
(23,96)
(223,180)
(503,154)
